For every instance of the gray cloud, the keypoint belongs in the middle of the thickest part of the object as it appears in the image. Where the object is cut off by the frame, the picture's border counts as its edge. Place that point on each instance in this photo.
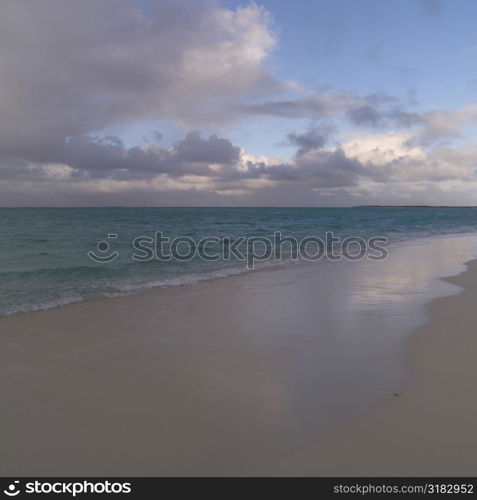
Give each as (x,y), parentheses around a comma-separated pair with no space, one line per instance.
(195,149)
(382,111)
(374,110)
(372,117)
(311,139)
(313,106)
(213,158)
(365,115)
(314,166)
(68,68)
(108,157)
(442,126)
(323,169)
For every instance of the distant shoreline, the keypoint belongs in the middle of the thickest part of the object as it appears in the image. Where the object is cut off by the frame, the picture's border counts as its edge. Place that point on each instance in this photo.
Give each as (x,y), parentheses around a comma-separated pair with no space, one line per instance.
(412,206)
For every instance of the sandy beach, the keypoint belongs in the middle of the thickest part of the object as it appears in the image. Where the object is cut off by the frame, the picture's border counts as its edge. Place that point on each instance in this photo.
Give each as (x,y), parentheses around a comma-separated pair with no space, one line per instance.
(284,372)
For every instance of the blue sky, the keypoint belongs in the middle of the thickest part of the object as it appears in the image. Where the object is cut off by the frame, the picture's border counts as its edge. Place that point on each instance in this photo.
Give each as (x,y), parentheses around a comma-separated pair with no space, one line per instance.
(423,52)
(225,102)
(367,46)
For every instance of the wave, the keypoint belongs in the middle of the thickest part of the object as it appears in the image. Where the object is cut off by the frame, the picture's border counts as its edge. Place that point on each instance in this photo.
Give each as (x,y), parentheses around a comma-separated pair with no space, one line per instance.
(61,301)
(120,288)
(194,278)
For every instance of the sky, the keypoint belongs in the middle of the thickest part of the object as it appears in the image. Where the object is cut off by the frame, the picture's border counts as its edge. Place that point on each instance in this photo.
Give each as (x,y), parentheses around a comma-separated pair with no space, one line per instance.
(229,103)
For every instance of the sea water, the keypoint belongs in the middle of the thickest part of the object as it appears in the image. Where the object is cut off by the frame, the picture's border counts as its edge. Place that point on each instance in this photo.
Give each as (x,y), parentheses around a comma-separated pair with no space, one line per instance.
(44,258)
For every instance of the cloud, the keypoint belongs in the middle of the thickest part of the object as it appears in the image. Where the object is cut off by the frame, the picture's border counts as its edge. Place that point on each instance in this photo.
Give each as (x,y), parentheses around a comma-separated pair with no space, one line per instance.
(214,165)
(312,106)
(382,111)
(68,68)
(107,157)
(391,158)
(443,125)
(194,149)
(365,115)
(374,110)
(313,138)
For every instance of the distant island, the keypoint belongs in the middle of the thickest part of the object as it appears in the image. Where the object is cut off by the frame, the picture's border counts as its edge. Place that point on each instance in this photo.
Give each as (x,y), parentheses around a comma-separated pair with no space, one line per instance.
(414,206)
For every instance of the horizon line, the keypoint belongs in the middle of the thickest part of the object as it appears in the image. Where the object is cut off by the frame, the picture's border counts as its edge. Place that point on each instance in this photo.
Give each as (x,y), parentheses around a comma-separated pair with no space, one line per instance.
(237,206)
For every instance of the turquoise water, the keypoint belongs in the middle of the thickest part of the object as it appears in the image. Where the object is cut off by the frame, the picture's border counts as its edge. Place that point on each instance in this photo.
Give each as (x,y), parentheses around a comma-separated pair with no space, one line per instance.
(44,261)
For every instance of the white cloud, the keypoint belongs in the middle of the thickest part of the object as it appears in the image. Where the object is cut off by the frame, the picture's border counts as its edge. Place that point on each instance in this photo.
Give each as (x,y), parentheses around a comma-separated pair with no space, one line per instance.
(381,149)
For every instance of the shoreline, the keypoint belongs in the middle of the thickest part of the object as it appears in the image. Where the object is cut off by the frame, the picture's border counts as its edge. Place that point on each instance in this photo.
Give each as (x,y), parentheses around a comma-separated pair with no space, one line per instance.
(226,377)
(430,427)
(196,278)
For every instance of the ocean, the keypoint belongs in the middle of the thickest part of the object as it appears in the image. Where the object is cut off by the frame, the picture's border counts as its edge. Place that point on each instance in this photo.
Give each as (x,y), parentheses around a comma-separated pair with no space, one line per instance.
(44,251)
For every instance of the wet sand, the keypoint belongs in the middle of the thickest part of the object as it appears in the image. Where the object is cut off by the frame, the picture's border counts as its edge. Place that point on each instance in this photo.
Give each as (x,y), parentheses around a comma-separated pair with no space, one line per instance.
(430,428)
